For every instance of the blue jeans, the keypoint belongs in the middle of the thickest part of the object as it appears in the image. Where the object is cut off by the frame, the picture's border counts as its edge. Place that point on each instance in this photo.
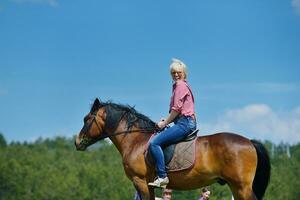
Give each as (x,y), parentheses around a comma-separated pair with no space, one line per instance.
(183,126)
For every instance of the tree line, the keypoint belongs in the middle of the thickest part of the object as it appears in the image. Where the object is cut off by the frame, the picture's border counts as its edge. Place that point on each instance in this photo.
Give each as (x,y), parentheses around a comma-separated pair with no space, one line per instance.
(51,169)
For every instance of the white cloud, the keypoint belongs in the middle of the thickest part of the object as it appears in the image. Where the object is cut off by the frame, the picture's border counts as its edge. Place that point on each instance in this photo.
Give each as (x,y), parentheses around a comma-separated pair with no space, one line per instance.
(52,3)
(258,121)
(296,6)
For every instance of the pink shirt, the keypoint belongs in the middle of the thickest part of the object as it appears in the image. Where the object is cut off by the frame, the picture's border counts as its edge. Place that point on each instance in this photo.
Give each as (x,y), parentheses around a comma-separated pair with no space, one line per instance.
(182,100)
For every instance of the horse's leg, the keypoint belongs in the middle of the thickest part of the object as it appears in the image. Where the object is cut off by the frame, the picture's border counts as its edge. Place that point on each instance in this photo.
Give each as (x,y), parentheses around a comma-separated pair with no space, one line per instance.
(238,165)
(141,186)
(243,192)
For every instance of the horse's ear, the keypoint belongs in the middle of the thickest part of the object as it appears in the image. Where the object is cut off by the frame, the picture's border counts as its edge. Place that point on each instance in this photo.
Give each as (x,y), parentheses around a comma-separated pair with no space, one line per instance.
(96,105)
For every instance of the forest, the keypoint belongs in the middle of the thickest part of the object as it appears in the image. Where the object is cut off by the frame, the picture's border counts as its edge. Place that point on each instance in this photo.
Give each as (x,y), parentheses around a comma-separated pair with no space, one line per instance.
(51,169)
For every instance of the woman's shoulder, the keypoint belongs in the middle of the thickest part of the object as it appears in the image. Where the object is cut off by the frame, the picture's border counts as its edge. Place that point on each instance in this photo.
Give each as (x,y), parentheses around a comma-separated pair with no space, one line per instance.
(181,82)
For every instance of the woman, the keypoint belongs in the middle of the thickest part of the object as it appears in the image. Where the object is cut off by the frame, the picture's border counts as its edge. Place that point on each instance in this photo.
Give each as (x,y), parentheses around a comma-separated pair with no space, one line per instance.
(167,194)
(205,194)
(182,113)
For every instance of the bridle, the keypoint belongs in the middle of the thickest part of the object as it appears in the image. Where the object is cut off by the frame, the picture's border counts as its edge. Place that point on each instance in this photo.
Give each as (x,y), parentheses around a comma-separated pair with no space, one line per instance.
(85,140)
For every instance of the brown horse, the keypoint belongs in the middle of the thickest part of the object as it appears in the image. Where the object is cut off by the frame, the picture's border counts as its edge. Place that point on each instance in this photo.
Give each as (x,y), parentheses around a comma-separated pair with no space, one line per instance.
(223,157)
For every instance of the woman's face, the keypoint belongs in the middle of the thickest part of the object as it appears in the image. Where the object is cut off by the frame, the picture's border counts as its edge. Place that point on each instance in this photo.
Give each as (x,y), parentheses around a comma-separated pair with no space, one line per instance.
(206,194)
(177,74)
(167,195)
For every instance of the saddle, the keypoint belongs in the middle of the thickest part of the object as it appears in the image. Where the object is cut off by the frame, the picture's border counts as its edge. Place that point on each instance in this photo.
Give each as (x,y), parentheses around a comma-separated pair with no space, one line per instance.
(178,156)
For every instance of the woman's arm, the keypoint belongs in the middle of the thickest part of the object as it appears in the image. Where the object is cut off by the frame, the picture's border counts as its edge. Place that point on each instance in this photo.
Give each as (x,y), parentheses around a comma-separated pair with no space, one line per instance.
(163,123)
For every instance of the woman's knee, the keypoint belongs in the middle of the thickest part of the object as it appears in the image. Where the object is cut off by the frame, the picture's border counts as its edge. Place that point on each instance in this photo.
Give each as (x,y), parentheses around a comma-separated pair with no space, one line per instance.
(155,141)
(152,145)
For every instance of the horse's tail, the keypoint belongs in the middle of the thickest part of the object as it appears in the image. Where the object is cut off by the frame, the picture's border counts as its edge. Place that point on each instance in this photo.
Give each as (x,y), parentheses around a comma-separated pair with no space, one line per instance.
(263,170)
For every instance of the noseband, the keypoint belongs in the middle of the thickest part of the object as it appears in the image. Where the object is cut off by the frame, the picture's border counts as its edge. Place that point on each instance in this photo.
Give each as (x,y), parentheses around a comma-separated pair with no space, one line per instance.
(85,141)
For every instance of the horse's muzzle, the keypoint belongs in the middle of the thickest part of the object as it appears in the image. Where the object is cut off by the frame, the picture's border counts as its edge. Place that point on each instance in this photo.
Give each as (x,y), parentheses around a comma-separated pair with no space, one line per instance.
(79,145)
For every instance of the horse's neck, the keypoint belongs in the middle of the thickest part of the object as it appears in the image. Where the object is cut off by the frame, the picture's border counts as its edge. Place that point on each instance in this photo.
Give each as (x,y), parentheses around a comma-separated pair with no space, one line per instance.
(127,142)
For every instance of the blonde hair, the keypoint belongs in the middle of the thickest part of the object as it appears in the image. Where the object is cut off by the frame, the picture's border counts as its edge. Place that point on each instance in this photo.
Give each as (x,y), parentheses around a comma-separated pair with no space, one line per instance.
(178,65)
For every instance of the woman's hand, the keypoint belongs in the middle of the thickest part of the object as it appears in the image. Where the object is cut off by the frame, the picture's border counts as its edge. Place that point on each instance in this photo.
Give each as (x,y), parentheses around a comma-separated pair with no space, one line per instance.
(162,124)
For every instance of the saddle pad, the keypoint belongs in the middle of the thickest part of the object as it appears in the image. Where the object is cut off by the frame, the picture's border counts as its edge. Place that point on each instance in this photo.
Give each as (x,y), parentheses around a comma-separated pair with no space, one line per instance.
(184,156)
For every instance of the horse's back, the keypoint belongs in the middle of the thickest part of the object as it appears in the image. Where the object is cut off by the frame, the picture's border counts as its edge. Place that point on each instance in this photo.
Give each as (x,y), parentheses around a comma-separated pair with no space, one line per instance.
(222,152)
(222,140)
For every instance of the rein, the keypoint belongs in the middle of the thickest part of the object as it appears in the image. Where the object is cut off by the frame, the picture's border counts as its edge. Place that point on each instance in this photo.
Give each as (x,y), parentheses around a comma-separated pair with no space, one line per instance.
(144,130)
(88,140)
(150,130)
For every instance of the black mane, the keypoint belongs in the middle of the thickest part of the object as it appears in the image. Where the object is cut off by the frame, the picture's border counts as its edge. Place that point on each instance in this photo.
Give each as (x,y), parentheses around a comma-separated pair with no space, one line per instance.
(117,112)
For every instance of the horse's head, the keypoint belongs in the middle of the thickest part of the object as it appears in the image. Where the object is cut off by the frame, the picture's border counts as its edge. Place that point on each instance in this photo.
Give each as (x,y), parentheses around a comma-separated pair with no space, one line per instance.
(93,128)
(103,120)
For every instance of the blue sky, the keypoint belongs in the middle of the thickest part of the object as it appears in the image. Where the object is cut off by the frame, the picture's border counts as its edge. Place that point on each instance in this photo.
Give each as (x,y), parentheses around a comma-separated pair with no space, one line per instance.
(243,59)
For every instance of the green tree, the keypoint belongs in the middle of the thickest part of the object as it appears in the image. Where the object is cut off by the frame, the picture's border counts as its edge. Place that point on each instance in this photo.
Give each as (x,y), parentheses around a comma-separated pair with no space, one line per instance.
(51,169)
(2,141)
